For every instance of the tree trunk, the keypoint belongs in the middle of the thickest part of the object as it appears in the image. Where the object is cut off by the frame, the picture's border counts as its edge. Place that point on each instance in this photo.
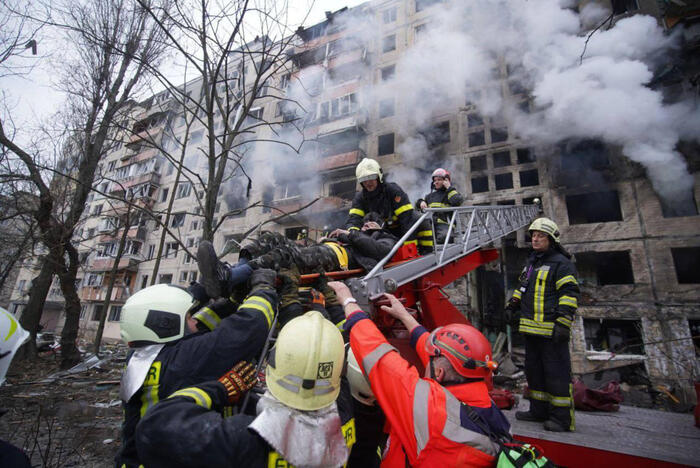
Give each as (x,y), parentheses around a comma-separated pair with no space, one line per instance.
(110,286)
(31,316)
(166,221)
(70,355)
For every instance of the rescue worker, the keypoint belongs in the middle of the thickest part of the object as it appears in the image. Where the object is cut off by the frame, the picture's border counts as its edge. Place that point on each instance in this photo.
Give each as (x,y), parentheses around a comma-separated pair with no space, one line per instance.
(387,199)
(357,248)
(428,425)
(303,419)
(166,353)
(442,195)
(12,337)
(546,302)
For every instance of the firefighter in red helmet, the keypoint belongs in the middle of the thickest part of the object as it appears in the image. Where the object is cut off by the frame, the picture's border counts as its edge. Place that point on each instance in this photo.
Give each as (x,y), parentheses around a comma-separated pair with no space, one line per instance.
(428,418)
(442,195)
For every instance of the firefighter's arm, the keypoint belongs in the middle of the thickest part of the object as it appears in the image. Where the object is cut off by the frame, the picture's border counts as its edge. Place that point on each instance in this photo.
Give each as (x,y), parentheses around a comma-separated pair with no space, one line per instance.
(454,198)
(402,207)
(187,429)
(369,246)
(209,317)
(567,293)
(356,213)
(392,379)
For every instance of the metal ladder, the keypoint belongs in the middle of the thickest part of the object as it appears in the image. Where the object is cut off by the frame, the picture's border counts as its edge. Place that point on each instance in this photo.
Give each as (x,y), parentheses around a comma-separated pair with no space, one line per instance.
(470,228)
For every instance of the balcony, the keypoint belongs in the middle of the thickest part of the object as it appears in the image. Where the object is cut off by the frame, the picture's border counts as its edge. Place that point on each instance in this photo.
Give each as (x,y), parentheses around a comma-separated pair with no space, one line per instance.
(137,233)
(99,293)
(120,185)
(105,264)
(120,208)
(149,134)
(339,125)
(339,161)
(139,155)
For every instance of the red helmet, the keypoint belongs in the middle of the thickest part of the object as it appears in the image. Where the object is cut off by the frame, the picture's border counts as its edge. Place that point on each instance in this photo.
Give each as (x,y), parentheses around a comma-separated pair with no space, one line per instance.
(465,347)
(440,172)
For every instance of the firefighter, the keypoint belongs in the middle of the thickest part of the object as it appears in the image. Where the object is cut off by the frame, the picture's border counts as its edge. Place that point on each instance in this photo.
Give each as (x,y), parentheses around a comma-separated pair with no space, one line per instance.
(544,305)
(387,199)
(166,355)
(427,422)
(13,337)
(442,195)
(303,419)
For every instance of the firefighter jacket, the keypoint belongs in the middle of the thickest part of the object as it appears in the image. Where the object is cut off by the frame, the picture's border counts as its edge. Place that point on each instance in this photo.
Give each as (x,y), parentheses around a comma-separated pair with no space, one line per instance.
(367,248)
(188,430)
(428,425)
(443,198)
(389,201)
(196,358)
(548,293)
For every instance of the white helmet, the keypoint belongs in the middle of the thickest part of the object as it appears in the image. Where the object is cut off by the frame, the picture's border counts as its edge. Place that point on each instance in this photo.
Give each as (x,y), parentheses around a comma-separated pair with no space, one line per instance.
(303,369)
(12,336)
(156,314)
(368,169)
(359,385)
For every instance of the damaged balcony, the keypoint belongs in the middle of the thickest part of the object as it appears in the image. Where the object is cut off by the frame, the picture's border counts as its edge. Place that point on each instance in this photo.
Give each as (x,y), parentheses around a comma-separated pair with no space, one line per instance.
(105,264)
(99,293)
(135,233)
(151,178)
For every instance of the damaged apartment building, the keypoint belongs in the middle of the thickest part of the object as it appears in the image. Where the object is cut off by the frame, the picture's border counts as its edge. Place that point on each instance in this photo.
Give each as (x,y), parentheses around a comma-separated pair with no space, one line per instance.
(636,255)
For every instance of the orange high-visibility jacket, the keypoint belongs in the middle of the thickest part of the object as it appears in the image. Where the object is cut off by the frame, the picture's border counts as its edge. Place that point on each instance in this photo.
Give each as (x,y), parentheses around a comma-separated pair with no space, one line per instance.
(424,418)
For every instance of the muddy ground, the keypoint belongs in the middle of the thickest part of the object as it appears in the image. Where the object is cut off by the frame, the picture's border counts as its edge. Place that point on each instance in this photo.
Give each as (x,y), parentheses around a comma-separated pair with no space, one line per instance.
(64,419)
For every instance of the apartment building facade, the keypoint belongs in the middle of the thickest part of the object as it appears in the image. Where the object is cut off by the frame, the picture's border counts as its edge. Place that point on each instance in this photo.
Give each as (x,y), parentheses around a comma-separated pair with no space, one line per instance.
(635,255)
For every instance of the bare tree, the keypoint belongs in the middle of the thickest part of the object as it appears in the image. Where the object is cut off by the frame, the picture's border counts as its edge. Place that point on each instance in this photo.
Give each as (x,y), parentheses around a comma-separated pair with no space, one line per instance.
(112,41)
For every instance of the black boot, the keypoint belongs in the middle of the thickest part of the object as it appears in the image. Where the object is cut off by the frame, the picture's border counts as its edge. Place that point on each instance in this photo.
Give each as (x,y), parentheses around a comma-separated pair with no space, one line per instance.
(528,416)
(215,274)
(553,426)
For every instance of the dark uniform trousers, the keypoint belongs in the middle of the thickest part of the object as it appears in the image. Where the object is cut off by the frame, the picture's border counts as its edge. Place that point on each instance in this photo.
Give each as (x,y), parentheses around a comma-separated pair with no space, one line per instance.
(548,372)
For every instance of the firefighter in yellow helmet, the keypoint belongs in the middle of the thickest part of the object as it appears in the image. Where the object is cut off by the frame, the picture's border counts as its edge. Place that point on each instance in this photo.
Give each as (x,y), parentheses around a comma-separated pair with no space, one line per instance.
(544,305)
(385,198)
(304,419)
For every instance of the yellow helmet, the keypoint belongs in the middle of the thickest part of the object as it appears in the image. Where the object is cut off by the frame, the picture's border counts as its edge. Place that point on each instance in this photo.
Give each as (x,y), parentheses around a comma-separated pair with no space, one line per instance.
(156,314)
(547,226)
(368,169)
(359,385)
(303,369)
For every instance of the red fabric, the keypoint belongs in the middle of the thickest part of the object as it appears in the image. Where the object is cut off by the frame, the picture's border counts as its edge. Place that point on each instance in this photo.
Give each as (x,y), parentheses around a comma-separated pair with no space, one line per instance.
(607,398)
(393,382)
(503,398)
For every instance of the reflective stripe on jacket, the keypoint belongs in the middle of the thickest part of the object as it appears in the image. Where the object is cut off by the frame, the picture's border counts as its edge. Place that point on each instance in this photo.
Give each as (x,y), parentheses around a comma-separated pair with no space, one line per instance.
(551,296)
(389,201)
(443,198)
(425,423)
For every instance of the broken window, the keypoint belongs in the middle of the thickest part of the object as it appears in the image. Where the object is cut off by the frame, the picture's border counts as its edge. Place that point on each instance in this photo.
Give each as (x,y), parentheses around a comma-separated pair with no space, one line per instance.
(437,135)
(178,220)
(165,279)
(686,261)
(501,159)
(389,43)
(529,178)
(603,268)
(183,190)
(477,163)
(420,29)
(516,87)
(385,144)
(524,107)
(531,200)
(594,207)
(580,156)
(505,202)
(616,336)
(499,134)
(624,6)
(97,312)
(474,120)
(115,313)
(423,4)
(386,108)
(476,139)
(388,72)
(504,181)
(480,184)
(389,15)
(694,326)
(344,189)
(679,206)
(525,155)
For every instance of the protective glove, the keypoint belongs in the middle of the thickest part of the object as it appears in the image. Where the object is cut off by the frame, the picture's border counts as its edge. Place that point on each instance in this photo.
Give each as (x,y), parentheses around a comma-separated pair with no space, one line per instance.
(199,293)
(511,312)
(239,380)
(560,333)
(289,287)
(262,278)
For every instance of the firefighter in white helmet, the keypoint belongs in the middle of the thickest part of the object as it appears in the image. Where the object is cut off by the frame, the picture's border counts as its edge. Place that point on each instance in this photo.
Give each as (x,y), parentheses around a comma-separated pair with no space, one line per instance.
(304,419)
(442,195)
(12,337)
(167,353)
(544,305)
(385,198)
